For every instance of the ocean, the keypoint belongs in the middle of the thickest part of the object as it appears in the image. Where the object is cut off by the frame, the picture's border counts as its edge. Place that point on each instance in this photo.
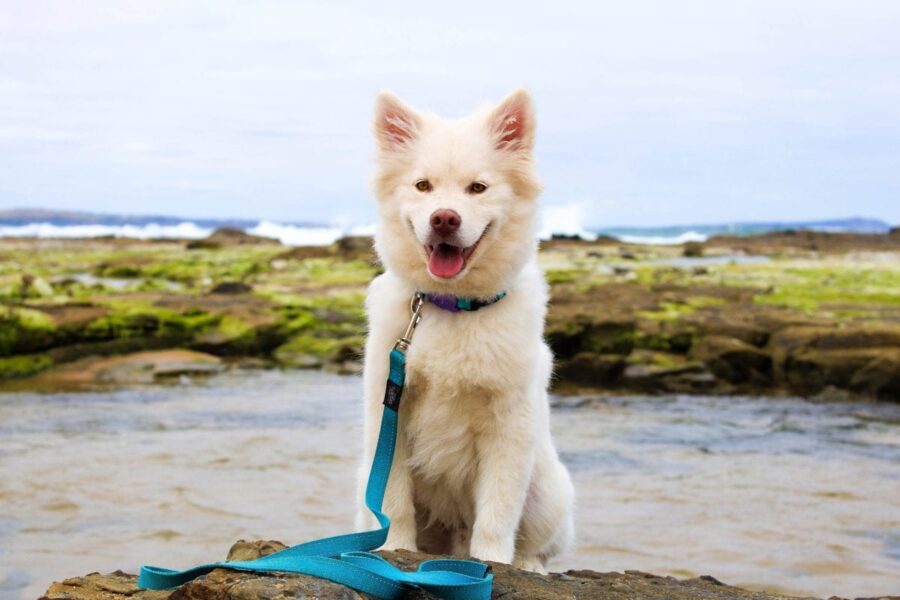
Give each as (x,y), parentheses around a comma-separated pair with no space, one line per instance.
(49,224)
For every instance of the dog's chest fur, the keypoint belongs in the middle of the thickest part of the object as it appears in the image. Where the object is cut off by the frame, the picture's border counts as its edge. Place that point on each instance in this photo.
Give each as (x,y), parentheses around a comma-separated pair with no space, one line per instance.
(463,372)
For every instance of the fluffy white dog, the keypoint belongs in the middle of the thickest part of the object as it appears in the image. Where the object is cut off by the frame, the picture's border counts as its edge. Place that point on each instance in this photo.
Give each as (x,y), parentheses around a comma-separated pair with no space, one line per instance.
(475,471)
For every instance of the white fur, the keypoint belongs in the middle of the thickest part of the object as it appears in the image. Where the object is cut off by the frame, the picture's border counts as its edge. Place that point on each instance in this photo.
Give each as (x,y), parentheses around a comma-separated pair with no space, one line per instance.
(475,470)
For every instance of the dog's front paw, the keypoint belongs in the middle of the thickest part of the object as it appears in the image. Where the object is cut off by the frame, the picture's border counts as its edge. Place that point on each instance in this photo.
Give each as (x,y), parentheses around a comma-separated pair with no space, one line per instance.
(495,550)
(400,541)
(530,564)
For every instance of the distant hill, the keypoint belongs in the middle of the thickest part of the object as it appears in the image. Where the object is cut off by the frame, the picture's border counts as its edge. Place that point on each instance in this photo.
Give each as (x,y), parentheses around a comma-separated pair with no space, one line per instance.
(61,218)
(851,224)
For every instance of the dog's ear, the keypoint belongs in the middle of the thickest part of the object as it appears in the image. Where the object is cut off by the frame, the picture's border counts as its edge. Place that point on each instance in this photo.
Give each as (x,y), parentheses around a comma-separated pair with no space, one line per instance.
(396,124)
(511,123)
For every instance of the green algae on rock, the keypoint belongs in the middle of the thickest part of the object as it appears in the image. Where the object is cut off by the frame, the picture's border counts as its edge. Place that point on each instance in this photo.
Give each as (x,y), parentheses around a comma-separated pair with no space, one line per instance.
(621,318)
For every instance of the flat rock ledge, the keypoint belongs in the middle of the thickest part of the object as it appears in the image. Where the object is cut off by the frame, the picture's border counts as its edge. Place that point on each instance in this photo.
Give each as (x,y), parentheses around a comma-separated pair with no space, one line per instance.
(509,583)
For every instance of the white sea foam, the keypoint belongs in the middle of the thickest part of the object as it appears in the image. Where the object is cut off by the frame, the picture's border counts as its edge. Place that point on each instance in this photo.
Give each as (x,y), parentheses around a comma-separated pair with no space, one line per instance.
(294,235)
(555,220)
(563,219)
(661,240)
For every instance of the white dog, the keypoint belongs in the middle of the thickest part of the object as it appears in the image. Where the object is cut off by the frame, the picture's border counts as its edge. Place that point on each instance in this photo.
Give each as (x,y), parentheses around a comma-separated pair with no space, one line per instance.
(475,471)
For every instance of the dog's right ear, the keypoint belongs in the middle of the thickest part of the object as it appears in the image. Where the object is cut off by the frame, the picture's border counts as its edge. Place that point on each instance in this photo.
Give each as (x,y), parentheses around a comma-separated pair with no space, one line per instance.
(396,124)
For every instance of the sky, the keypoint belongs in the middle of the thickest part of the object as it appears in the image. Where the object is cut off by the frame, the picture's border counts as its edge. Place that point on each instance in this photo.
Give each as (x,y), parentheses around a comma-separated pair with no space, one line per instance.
(649,113)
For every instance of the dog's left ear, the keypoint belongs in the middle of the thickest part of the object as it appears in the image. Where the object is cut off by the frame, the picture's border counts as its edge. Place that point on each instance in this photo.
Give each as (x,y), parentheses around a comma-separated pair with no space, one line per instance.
(396,124)
(512,122)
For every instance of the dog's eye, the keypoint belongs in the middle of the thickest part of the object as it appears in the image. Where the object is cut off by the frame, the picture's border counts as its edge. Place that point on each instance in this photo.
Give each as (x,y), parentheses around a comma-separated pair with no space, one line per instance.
(476,187)
(423,185)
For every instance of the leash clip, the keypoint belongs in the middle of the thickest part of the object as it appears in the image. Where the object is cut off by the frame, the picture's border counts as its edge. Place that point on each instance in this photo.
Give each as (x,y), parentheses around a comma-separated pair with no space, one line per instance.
(415,307)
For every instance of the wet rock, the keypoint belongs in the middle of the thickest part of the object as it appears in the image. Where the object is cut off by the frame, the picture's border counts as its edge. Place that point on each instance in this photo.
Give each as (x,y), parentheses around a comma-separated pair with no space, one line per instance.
(136,368)
(586,334)
(836,338)
(229,236)
(231,287)
(734,361)
(810,370)
(509,583)
(305,252)
(808,359)
(592,369)
(357,247)
(879,378)
(687,378)
(792,241)
(692,249)
(725,323)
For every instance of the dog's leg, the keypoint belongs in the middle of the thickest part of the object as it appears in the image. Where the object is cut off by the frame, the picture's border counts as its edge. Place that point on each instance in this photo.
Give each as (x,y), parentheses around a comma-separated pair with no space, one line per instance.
(546,528)
(398,501)
(505,462)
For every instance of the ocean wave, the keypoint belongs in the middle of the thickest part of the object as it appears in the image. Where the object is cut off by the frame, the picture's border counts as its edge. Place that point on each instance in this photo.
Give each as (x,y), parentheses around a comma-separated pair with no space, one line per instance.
(293,235)
(563,221)
(663,240)
(185,230)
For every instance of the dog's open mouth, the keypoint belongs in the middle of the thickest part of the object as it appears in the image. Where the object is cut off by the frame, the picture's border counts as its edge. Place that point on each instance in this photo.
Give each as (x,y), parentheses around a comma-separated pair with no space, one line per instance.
(447,260)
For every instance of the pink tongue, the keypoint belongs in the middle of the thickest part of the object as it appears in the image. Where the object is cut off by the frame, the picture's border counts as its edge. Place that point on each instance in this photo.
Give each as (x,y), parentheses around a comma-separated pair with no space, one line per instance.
(446,261)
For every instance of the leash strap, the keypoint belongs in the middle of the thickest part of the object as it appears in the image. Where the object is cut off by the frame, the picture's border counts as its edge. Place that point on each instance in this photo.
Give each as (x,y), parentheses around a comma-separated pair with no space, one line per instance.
(346,558)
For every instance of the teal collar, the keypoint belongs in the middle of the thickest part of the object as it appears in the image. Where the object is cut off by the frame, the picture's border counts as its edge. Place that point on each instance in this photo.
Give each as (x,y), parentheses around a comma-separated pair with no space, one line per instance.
(452,303)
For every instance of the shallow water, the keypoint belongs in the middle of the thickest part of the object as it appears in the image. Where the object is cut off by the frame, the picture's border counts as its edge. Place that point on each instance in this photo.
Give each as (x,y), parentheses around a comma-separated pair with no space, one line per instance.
(781,494)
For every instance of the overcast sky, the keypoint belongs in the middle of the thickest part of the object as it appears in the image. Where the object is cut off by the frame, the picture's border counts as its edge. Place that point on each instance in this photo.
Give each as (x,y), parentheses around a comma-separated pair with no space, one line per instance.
(649,112)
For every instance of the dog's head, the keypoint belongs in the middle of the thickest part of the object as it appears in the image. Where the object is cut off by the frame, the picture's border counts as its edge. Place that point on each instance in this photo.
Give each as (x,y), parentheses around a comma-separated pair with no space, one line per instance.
(456,198)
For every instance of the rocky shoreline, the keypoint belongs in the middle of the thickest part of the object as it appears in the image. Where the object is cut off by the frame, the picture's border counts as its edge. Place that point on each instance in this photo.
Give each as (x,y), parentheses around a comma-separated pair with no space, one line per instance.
(802,313)
(509,583)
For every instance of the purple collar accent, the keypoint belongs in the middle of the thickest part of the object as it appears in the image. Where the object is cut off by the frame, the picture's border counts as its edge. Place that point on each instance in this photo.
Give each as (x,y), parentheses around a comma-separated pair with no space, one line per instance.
(455,304)
(445,301)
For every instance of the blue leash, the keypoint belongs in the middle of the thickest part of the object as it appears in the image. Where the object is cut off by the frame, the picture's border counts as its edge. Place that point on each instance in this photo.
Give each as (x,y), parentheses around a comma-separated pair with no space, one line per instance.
(346,558)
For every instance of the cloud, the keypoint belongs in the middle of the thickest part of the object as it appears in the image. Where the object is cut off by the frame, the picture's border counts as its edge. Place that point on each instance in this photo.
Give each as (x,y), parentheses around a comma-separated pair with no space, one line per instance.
(648,111)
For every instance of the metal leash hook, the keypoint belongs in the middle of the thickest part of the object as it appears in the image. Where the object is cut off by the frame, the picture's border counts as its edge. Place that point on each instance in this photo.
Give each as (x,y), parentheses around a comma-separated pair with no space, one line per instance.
(415,307)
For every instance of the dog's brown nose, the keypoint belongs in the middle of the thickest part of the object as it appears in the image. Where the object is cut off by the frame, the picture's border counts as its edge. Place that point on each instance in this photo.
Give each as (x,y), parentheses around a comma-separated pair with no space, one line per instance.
(445,221)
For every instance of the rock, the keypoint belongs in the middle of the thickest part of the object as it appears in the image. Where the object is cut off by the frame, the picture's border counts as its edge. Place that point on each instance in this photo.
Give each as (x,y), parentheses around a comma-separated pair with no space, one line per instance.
(880,377)
(687,378)
(810,370)
(229,236)
(592,369)
(726,323)
(355,247)
(836,338)
(692,249)
(803,241)
(586,333)
(733,360)
(305,252)
(231,287)
(136,368)
(509,583)
(808,359)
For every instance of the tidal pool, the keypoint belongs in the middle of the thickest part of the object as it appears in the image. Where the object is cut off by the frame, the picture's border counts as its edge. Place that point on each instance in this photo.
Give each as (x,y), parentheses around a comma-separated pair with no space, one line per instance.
(780,494)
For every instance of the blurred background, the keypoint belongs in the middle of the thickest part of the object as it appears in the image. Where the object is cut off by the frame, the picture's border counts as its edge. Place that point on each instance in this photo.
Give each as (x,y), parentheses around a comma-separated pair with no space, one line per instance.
(184,250)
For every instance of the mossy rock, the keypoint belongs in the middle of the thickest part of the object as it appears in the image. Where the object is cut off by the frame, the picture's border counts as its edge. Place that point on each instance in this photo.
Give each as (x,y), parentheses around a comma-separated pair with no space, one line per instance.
(599,337)
(591,369)
(308,351)
(24,330)
(734,361)
(13,367)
